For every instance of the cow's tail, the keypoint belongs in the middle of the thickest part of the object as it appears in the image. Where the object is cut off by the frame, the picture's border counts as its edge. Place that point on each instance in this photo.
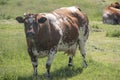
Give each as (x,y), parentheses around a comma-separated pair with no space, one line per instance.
(86,25)
(78,7)
(86,29)
(84,21)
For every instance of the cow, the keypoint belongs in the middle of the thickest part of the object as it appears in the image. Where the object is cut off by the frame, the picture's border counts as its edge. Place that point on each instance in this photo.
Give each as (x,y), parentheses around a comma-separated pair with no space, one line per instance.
(63,29)
(111,14)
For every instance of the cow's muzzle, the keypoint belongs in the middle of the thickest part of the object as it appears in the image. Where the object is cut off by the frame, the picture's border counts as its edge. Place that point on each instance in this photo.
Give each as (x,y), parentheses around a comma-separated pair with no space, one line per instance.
(30,35)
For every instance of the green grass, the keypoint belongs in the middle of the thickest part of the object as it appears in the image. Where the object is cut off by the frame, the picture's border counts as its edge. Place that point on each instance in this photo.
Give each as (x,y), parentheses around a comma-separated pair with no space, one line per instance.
(102,56)
(103,52)
(9,9)
(113,33)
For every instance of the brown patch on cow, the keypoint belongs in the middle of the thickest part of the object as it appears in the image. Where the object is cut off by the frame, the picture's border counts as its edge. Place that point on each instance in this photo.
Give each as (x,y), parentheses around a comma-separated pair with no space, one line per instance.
(71,27)
(47,37)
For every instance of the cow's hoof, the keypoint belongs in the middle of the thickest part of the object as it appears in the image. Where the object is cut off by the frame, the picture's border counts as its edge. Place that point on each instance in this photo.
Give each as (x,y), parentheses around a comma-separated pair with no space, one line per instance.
(35,78)
(70,65)
(85,64)
(47,75)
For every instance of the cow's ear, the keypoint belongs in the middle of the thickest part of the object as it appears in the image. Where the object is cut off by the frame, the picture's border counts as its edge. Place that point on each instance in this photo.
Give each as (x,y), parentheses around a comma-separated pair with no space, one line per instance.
(20,19)
(116,3)
(42,19)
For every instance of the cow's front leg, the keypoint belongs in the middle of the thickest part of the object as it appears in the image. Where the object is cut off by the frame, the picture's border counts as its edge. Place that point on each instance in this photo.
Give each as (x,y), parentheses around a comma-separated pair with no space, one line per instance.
(49,61)
(34,60)
(70,62)
(35,64)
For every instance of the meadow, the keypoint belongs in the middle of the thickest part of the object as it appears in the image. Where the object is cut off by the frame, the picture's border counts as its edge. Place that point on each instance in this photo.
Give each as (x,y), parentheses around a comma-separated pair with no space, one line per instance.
(103,45)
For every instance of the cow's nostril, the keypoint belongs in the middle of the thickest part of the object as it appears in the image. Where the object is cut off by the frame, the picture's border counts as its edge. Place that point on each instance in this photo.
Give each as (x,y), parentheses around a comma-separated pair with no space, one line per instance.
(30,34)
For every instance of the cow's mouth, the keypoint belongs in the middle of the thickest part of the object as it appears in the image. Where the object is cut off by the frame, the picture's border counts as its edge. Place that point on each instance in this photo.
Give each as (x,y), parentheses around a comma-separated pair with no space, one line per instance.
(30,35)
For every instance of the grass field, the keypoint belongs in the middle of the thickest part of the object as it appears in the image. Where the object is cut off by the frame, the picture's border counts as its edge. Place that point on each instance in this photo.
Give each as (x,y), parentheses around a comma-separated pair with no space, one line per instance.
(12,8)
(103,48)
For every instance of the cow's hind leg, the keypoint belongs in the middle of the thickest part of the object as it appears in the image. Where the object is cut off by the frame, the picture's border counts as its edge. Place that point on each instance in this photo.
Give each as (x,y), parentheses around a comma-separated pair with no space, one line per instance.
(49,61)
(81,44)
(71,53)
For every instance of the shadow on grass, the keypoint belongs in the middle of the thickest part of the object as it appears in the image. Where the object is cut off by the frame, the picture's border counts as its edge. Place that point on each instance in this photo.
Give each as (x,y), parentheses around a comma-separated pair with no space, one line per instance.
(62,73)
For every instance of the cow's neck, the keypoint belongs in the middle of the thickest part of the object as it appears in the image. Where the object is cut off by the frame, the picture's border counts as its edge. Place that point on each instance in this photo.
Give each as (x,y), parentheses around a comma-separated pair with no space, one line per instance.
(42,37)
(47,37)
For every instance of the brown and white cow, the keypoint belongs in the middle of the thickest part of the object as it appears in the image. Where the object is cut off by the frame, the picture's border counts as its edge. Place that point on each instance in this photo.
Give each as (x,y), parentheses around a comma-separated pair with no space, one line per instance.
(61,30)
(111,14)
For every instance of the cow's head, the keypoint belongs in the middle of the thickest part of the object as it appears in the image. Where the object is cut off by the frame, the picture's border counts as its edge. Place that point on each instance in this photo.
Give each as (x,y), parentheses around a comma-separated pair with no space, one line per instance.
(115,5)
(31,23)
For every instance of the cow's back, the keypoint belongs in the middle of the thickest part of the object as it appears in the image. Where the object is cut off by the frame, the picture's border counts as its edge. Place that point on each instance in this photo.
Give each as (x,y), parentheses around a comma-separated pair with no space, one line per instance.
(71,19)
(72,13)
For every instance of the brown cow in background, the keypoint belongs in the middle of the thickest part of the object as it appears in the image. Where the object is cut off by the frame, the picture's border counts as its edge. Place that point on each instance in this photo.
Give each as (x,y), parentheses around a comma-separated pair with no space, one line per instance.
(111,14)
